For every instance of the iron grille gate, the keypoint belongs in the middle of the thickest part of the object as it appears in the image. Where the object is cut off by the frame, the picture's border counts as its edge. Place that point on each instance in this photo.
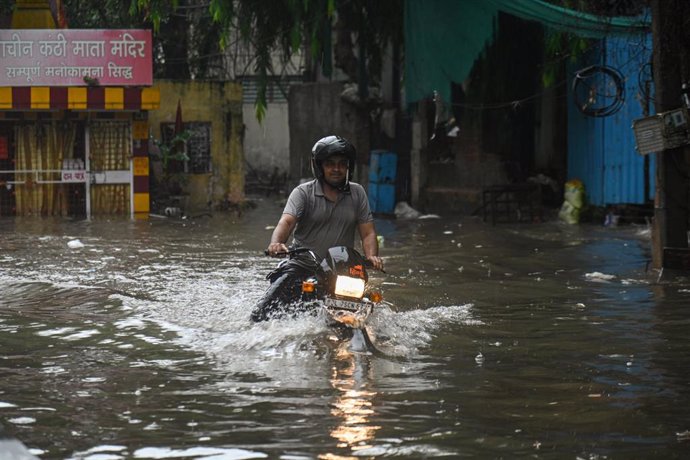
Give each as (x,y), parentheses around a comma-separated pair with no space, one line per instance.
(59,168)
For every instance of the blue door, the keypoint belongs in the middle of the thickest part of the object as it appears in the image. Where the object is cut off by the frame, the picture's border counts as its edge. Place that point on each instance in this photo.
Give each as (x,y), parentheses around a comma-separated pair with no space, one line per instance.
(601,150)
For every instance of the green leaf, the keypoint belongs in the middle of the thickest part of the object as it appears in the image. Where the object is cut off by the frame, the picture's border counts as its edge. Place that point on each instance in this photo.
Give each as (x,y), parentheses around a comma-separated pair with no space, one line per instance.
(260,110)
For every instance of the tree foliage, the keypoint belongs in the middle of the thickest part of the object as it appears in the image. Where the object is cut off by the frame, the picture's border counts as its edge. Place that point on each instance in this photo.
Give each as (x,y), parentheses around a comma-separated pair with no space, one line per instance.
(287,27)
(227,39)
(562,46)
(101,14)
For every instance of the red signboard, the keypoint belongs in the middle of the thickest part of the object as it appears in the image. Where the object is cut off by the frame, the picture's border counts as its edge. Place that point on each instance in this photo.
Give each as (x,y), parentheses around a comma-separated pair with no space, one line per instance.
(75,57)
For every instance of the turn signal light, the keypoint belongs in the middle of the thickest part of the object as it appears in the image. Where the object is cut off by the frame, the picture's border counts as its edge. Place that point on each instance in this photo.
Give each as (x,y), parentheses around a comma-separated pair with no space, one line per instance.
(375,297)
(308,286)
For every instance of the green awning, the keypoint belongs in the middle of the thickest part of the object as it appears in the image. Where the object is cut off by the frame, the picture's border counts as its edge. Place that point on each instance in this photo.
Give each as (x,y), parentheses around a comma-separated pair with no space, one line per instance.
(443,38)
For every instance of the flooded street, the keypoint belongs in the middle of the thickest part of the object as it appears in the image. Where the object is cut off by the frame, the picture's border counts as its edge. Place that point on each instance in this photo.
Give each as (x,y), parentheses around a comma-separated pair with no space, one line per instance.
(125,339)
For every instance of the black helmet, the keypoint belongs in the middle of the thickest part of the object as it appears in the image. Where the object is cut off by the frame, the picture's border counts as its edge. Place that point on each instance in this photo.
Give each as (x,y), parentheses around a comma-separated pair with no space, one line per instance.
(329,146)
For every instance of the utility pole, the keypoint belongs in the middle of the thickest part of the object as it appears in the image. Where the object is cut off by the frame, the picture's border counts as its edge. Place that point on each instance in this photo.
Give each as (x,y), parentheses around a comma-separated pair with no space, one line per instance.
(671,48)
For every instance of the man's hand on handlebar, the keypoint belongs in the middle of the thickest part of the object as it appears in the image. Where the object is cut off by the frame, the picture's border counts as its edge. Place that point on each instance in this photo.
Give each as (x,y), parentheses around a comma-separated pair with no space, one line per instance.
(276,249)
(376,262)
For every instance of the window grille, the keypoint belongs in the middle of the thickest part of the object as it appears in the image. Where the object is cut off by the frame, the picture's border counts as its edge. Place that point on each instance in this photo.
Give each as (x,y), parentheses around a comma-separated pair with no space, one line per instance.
(277,89)
(197,147)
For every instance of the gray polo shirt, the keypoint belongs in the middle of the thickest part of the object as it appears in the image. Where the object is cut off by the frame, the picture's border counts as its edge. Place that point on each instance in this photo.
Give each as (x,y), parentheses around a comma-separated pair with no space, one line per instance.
(322,224)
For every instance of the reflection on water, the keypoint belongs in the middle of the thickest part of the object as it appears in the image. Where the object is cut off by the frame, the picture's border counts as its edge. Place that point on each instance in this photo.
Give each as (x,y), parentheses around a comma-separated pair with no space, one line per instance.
(507,341)
(354,401)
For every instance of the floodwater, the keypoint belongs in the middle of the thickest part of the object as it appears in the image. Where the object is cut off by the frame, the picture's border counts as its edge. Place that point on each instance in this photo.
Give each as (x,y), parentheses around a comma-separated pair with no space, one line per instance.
(131,339)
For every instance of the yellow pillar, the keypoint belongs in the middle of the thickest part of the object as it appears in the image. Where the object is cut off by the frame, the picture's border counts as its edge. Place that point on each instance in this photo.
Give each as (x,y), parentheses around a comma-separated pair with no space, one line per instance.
(235,192)
(32,14)
(236,164)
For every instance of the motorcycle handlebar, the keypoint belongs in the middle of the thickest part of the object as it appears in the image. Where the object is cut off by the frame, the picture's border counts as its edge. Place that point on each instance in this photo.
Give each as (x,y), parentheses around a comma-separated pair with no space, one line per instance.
(290,252)
(369,264)
(293,251)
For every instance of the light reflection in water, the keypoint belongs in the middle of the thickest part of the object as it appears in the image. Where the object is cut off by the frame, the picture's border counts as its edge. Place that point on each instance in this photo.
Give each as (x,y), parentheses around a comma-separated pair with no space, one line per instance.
(353,407)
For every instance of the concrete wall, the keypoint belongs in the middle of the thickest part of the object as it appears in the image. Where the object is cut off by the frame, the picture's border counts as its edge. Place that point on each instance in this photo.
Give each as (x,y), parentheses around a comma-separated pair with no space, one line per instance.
(317,110)
(219,103)
(267,144)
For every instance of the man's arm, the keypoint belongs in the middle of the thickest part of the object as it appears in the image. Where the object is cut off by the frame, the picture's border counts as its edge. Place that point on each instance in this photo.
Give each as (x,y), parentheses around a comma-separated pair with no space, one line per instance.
(281,233)
(370,244)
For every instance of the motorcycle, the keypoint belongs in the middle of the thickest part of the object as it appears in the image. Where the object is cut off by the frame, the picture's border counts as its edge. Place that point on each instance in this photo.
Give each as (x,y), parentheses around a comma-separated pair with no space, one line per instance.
(337,286)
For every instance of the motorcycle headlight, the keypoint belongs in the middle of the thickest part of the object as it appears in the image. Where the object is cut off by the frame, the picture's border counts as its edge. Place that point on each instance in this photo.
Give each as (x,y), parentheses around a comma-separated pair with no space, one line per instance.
(349,287)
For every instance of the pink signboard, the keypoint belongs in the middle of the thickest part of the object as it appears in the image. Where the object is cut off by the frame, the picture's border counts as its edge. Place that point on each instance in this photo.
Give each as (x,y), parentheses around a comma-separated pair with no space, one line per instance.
(75,57)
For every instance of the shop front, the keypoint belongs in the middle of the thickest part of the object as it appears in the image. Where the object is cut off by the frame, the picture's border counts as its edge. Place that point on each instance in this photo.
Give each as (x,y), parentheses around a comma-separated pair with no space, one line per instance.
(74,126)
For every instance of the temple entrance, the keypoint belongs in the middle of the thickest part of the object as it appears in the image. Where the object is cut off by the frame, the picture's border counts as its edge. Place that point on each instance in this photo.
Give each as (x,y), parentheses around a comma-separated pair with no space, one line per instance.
(65,168)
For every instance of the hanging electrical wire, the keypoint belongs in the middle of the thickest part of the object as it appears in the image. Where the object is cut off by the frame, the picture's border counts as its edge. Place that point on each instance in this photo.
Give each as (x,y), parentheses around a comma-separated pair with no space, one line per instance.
(598,90)
(645,82)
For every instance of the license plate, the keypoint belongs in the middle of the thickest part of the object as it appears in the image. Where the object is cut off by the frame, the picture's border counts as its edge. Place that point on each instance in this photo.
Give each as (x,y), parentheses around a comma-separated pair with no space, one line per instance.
(351,314)
(345,304)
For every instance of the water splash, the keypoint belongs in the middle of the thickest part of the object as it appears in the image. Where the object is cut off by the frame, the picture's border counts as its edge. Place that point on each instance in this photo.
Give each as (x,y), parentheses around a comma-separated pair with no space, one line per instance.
(404,334)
